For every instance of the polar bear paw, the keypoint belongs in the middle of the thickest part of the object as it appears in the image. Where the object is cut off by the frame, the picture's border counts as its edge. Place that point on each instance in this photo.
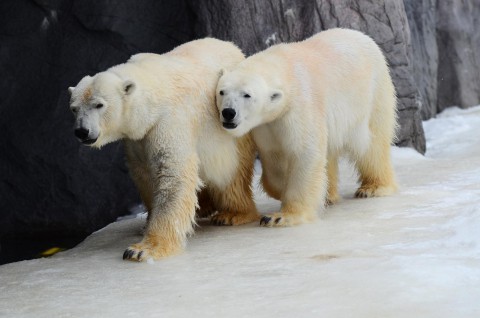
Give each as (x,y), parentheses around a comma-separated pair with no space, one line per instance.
(290,218)
(280,220)
(231,218)
(145,251)
(332,199)
(368,191)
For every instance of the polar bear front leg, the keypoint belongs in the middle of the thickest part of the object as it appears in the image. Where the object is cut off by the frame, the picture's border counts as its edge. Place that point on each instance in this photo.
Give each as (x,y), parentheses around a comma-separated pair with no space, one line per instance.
(138,167)
(173,213)
(305,191)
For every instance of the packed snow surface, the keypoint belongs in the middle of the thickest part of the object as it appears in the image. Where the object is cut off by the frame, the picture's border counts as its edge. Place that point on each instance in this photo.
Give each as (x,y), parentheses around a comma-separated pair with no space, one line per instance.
(413,254)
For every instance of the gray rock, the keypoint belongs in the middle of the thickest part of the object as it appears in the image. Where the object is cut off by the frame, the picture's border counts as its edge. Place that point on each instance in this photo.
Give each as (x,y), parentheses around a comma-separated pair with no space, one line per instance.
(422,20)
(446,58)
(458,40)
(256,25)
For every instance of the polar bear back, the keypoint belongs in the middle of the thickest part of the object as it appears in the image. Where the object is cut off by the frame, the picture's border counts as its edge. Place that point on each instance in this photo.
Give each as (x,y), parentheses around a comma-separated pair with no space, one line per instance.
(227,55)
(206,54)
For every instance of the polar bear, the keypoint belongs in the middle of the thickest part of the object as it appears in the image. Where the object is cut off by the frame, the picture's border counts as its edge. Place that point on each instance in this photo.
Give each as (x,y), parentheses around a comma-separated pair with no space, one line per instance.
(163,108)
(306,104)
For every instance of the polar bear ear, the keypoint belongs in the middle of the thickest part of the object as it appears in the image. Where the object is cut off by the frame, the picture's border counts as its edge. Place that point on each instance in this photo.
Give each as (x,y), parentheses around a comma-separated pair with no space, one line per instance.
(276,95)
(70,90)
(128,87)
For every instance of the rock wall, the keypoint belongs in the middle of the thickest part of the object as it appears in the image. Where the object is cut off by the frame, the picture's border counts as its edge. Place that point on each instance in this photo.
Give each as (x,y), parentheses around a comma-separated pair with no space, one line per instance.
(458,41)
(446,53)
(422,20)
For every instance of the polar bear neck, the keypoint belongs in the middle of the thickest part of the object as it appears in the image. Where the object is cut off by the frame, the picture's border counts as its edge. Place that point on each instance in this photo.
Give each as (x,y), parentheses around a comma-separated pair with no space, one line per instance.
(152,100)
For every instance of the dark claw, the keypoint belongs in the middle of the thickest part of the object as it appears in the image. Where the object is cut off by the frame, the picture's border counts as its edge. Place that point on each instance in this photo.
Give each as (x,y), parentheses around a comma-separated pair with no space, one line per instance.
(265,220)
(139,256)
(128,254)
(277,220)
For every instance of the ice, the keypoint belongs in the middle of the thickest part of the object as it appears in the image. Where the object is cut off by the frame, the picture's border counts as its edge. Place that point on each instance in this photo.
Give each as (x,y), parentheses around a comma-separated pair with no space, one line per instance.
(413,254)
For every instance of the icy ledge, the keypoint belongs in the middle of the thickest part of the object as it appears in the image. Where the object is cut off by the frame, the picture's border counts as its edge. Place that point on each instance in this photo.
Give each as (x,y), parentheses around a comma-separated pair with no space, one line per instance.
(414,254)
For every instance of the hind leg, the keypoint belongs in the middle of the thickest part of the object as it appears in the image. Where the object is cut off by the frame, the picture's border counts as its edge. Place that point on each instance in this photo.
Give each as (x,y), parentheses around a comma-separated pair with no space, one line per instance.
(332,171)
(374,164)
(376,172)
(235,203)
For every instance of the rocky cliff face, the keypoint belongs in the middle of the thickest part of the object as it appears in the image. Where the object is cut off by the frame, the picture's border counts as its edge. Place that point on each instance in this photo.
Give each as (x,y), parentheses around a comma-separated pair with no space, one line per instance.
(446,58)
(51,185)
(458,41)
(422,20)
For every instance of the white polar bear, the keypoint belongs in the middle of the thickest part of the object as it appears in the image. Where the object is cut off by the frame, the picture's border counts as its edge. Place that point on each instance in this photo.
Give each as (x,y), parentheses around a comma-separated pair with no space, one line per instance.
(307,103)
(163,107)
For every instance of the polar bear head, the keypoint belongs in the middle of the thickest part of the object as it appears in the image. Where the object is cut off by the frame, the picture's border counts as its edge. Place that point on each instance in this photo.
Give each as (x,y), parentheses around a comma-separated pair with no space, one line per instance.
(98,104)
(245,100)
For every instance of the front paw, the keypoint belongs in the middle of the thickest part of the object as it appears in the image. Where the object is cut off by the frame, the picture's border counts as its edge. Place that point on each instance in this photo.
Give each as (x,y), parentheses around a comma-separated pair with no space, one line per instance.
(144,251)
(282,219)
(332,199)
(274,220)
(138,252)
(368,191)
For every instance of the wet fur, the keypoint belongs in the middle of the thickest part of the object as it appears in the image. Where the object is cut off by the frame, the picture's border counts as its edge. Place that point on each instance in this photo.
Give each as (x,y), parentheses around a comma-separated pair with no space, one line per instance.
(174,144)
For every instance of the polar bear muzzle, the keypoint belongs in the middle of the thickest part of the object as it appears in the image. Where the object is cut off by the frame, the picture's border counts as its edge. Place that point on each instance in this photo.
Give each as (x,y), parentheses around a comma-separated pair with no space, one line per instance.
(83,135)
(228,115)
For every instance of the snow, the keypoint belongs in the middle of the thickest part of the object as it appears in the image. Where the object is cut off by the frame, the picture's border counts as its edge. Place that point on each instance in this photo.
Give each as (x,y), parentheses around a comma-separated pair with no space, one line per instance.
(413,254)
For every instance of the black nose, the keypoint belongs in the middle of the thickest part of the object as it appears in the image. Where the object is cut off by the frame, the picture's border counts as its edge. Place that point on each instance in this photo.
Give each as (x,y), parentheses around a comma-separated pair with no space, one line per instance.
(228,113)
(81,133)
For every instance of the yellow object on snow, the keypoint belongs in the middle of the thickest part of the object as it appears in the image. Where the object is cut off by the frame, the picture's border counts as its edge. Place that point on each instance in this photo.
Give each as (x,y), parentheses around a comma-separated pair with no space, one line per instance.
(51,251)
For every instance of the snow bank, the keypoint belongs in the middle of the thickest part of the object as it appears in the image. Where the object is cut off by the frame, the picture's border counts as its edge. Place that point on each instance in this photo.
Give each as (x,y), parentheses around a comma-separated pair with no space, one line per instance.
(414,254)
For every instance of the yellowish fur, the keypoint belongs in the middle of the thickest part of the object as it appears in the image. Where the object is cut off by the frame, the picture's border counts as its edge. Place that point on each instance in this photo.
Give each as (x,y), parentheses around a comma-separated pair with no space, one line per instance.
(308,103)
(163,108)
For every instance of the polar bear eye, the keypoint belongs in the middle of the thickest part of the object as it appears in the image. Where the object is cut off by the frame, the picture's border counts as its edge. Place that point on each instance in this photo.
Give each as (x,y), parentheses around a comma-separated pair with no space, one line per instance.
(98,106)
(246,96)
(221,93)
(74,110)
